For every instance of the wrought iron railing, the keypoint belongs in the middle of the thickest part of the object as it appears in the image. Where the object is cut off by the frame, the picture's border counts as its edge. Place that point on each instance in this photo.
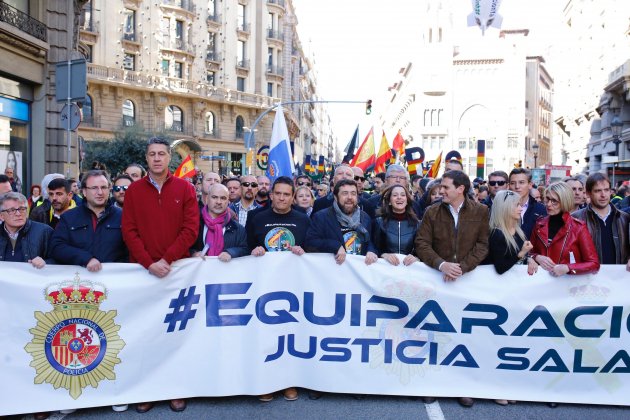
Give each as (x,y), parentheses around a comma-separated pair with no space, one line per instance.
(23,22)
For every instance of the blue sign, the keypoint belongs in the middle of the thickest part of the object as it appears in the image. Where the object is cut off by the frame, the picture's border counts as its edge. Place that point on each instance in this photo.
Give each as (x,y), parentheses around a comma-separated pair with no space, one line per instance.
(14,109)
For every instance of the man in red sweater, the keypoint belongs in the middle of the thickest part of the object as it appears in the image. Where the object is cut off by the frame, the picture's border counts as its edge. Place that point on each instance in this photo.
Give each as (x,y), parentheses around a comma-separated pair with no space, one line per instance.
(160,221)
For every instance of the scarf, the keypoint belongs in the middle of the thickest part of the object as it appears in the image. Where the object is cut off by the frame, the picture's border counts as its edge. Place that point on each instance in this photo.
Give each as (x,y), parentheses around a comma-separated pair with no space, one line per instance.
(214,236)
(352,221)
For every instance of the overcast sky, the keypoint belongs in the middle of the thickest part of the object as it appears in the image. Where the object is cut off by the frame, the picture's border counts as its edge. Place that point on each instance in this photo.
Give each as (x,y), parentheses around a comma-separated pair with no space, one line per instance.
(360,45)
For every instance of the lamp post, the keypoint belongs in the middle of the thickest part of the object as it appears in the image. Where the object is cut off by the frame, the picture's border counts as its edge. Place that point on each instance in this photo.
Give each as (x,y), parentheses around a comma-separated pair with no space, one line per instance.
(615,127)
(535,147)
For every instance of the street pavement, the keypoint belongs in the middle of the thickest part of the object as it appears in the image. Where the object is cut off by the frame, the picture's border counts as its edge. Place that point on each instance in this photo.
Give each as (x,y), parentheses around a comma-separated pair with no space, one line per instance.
(341,406)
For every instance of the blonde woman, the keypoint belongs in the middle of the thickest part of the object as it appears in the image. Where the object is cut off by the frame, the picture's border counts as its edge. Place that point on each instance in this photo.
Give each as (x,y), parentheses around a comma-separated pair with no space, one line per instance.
(304,198)
(508,244)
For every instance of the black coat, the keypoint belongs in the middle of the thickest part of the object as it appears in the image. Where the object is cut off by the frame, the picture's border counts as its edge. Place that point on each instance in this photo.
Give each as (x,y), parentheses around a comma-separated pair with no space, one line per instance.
(34,238)
(324,234)
(234,239)
(395,237)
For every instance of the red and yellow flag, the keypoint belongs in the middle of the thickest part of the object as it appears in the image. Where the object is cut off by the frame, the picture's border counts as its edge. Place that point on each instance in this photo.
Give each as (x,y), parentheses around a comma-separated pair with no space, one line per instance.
(364,157)
(186,169)
(435,168)
(398,147)
(384,154)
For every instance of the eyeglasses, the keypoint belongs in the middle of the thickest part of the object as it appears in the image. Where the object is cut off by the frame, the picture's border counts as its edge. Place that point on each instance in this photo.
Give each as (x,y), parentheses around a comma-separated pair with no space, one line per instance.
(308,184)
(321,189)
(248,184)
(14,211)
(97,188)
(507,194)
(551,201)
(397,177)
(119,188)
(359,178)
(495,183)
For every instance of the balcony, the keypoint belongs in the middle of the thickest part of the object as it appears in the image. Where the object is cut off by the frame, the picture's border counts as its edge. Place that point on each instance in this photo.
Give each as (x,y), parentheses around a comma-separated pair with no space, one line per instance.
(90,25)
(213,56)
(214,133)
(129,36)
(277,3)
(243,27)
(91,121)
(179,44)
(187,5)
(274,70)
(242,64)
(274,34)
(128,121)
(23,22)
(214,20)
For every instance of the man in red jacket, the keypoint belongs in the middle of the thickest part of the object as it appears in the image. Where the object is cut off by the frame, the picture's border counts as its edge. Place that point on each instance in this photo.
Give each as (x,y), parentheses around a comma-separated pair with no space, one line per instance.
(160,221)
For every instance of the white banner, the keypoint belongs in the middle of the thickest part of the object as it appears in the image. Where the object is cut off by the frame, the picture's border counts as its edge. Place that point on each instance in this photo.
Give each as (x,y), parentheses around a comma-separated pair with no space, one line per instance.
(257,325)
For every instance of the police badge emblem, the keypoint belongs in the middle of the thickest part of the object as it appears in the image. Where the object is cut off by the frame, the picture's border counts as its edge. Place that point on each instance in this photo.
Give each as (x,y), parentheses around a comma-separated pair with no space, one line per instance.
(76,344)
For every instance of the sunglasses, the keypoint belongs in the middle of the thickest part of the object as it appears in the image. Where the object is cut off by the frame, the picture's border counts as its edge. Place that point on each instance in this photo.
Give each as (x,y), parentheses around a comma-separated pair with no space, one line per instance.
(119,188)
(507,194)
(308,184)
(359,178)
(247,184)
(495,183)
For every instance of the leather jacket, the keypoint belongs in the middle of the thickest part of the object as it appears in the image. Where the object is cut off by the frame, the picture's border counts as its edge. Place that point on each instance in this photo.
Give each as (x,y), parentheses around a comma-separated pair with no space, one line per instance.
(572,239)
(620,222)
(395,236)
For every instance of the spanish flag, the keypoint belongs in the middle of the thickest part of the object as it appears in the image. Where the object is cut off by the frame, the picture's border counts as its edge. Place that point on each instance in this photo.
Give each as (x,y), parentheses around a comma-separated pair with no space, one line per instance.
(320,165)
(435,168)
(398,147)
(186,169)
(308,169)
(384,154)
(364,158)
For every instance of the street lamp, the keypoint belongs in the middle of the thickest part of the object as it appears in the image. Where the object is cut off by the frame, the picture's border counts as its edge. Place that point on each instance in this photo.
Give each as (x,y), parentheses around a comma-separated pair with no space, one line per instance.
(535,147)
(615,127)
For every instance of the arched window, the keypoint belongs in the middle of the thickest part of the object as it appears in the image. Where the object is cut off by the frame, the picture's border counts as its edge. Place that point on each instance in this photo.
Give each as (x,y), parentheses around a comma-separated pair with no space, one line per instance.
(173,118)
(209,125)
(87,110)
(240,123)
(129,113)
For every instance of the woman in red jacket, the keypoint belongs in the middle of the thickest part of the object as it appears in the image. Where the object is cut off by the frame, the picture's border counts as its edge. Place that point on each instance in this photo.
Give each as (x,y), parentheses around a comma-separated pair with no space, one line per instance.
(561,243)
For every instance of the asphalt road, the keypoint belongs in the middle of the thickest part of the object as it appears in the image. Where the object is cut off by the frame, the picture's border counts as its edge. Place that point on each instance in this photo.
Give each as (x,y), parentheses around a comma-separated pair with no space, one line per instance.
(340,406)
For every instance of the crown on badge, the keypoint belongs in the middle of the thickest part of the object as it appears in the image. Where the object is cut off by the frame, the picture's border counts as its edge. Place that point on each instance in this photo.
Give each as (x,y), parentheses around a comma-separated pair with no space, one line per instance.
(75,294)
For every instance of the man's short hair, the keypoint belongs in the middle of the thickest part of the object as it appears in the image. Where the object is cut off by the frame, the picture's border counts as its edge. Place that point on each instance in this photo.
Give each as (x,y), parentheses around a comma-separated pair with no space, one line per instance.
(58,183)
(593,179)
(380,175)
(91,174)
(158,140)
(521,171)
(230,180)
(459,178)
(396,168)
(4,178)
(501,174)
(122,176)
(283,180)
(137,165)
(573,178)
(11,195)
(461,165)
(343,182)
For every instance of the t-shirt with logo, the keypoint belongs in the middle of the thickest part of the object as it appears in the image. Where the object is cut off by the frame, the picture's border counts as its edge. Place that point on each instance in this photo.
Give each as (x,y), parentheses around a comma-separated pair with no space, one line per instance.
(351,240)
(277,232)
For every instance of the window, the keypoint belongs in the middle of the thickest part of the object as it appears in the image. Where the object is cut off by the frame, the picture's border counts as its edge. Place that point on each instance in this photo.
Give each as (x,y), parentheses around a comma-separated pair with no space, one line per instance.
(179,70)
(209,124)
(130,25)
(129,62)
(210,78)
(269,89)
(90,53)
(85,20)
(240,84)
(212,8)
(173,119)
(242,23)
(462,144)
(269,58)
(212,46)
(240,123)
(240,53)
(166,31)
(179,29)
(129,113)
(87,110)
(165,65)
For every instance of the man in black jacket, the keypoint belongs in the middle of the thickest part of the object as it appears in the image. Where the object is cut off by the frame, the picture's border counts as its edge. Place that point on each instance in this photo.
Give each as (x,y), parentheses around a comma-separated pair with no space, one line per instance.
(521,182)
(90,234)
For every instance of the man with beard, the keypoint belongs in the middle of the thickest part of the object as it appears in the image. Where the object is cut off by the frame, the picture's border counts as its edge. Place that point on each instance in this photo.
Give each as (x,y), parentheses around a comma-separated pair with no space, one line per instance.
(249,188)
(608,225)
(343,228)
(219,234)
(262,196)
(90,234)
(121,183)
(59,201)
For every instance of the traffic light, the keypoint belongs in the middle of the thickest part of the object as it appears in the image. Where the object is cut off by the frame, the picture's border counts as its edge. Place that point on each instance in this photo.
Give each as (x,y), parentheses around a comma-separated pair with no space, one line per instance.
(368,107)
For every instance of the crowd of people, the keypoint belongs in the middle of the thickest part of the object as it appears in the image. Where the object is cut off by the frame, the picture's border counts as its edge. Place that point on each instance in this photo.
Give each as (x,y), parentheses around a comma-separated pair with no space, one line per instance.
(450,224)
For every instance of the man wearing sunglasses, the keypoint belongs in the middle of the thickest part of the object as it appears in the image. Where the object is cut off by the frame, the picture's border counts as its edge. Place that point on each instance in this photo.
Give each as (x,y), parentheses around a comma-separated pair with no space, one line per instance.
(303,181)
(247,203)
(121,183)
(497,181)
